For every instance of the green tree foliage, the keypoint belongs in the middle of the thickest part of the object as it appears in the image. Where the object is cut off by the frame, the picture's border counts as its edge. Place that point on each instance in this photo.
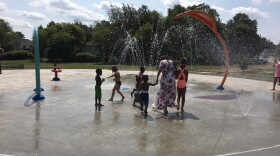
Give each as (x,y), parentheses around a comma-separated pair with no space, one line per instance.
(17,55)
(277,50)
(241,34)
(144,36)
(5,35)
(60,46)
(103,40)
(61,41)
(17,35)
(87,29)
(126,17)
(84,57)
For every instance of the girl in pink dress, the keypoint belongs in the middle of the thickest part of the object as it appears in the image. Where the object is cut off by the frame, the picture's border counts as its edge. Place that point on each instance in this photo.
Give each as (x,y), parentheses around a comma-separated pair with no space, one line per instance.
(277,72)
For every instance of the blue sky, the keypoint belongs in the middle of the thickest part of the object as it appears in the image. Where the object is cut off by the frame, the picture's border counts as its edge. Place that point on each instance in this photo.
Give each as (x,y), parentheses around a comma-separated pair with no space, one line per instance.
(24,15)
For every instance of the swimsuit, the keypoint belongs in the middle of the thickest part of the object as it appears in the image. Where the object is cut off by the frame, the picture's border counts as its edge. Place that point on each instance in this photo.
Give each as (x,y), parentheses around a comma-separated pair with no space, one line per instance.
(137,96)
(145,97)
(98,92)
(119,83)
(181,83)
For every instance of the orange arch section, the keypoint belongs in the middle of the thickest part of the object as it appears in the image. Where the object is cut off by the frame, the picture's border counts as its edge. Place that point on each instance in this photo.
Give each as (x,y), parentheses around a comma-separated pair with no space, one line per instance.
(210,22)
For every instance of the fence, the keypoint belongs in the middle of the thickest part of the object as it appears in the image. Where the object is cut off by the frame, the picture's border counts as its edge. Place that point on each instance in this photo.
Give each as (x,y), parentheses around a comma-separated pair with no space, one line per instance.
(12,66)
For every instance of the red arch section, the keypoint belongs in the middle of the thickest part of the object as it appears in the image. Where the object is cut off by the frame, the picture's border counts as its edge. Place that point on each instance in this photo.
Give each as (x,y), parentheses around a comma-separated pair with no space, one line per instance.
(210,22)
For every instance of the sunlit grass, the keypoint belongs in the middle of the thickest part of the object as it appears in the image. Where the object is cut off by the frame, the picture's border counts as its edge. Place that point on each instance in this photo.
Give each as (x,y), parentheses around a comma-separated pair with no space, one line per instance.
(257,72)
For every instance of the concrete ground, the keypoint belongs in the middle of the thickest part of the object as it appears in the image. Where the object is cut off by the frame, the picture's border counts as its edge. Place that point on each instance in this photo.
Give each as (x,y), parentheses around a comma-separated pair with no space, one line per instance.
(232,122)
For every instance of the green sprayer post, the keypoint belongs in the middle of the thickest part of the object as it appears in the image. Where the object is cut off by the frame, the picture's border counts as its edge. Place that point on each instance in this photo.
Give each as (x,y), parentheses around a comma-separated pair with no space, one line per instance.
(38,95)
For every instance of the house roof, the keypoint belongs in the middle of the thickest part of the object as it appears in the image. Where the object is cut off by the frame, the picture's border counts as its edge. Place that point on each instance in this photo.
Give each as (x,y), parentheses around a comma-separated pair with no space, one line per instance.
(26,41)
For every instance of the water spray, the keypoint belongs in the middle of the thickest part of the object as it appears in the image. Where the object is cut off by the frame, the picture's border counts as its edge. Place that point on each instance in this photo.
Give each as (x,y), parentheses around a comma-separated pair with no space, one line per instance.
(210,22)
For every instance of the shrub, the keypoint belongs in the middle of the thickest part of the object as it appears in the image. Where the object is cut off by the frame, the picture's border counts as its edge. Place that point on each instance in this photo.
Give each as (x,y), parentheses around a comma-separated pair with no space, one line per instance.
(113,60)
(17,55)
(243,64)
(85,57)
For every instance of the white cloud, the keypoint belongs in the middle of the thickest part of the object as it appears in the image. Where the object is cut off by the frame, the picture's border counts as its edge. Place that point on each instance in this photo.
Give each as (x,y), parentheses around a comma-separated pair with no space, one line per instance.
(170,3)
(273,1)
(252,12)
(38,3)
(219,9)
(31,15)
(17,23)
(64,5)
(256,2)
(185,3)
(3,6)
(69,9)
(106,5)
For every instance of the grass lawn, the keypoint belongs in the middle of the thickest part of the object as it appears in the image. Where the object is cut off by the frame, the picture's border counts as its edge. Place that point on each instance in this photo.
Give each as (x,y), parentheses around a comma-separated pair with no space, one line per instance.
(46,65)
(257,72)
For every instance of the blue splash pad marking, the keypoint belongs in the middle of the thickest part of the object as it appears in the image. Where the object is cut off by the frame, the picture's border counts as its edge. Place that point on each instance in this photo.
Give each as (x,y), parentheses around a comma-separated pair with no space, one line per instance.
(124,88)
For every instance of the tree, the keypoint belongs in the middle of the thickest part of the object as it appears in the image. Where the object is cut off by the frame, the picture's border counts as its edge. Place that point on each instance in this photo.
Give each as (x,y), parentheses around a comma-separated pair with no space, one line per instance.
(241,35)
(87,29)
(60,47)
(43,41)
(64,40)
(278,50)
(144,36)
(102,40)
(17,35)
(5,35)
(126,17)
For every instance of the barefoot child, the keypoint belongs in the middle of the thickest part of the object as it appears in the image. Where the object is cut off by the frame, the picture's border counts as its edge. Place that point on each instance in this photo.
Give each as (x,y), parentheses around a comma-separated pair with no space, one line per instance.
(118,83)
(145,93)
(276,65)
(98,95)
(136,91)
(182,76)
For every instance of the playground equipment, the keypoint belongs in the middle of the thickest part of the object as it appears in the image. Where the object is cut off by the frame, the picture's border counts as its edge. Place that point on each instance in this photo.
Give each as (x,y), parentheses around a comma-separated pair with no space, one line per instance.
(38,88)
(56,70)
(210,22)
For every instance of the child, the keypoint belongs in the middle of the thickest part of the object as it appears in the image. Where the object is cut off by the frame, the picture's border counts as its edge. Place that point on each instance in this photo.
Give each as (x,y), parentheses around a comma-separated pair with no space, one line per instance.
(98,95)
(142,70)
(136,91)
(118,83)
(182,76)
(276,65)
(145,93)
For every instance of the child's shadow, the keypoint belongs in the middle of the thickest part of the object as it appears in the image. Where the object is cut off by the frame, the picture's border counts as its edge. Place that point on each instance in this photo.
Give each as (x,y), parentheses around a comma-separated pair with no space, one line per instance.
(182,116)
(178,116)
(117,102)
(143,116)
(146,117)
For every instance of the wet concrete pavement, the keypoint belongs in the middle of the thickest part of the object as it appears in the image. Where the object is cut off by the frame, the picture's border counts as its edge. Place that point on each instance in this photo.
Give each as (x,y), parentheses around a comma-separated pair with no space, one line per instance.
(66,122)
